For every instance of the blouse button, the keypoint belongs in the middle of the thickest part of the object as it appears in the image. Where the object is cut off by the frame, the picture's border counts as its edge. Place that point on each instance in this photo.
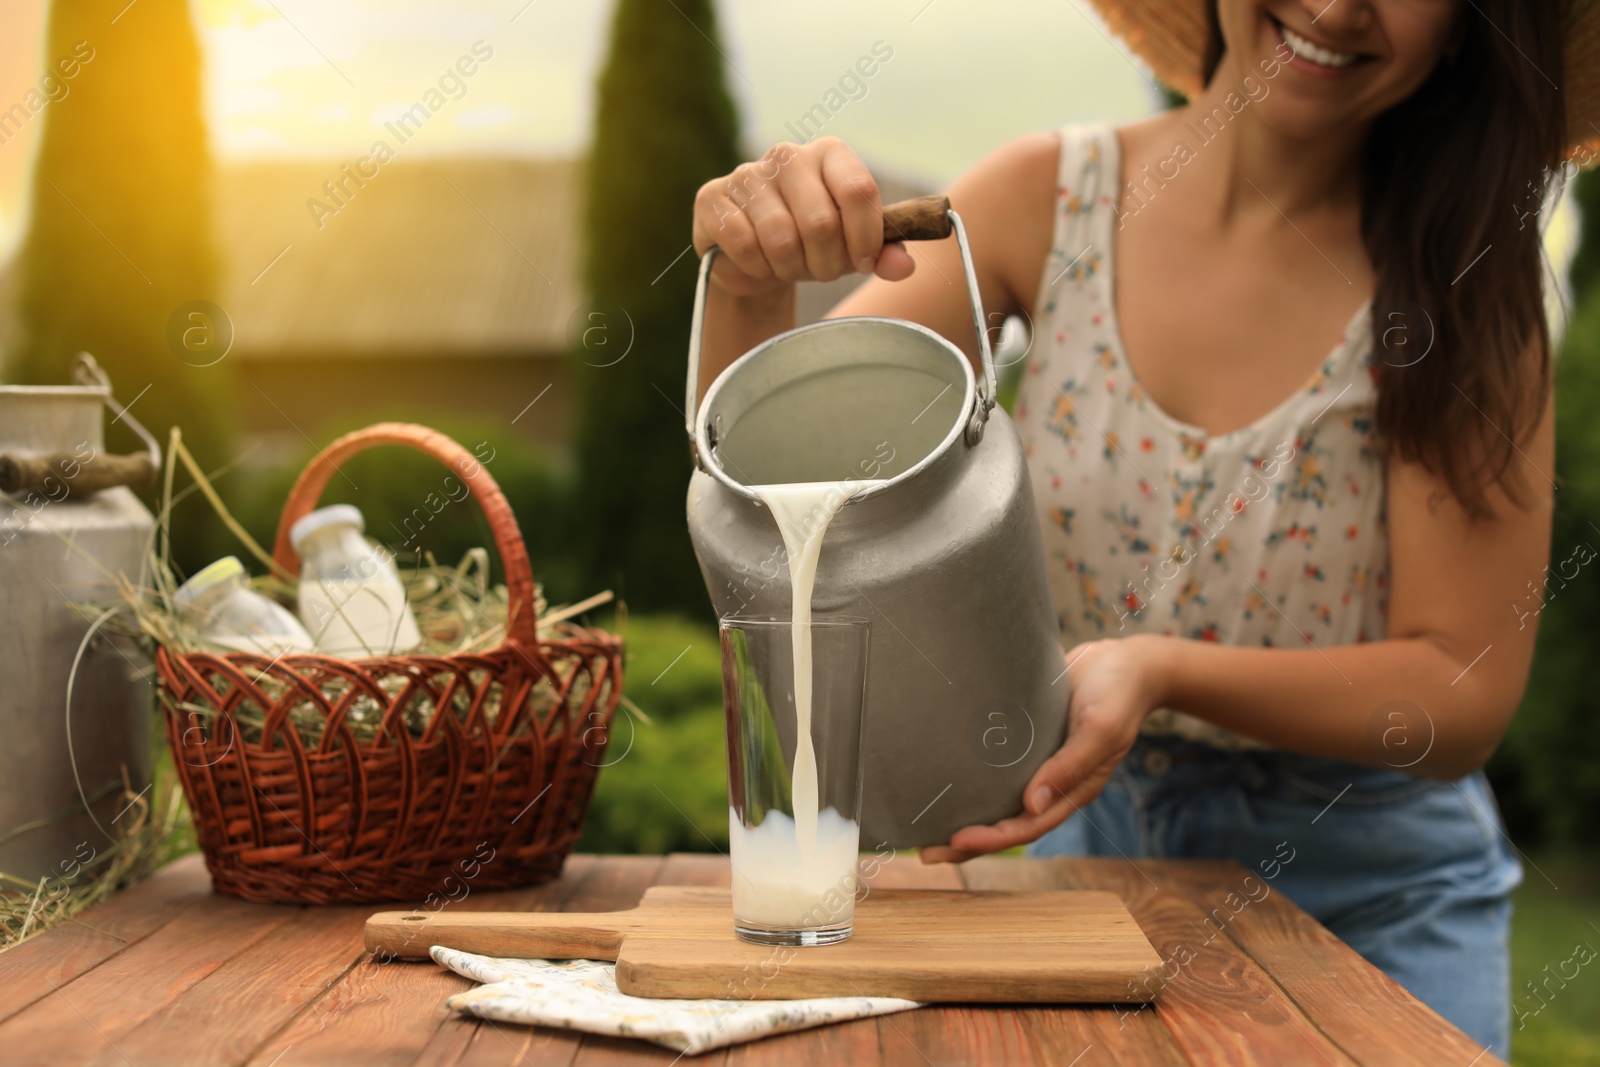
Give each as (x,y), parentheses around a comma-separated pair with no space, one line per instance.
(1157,762)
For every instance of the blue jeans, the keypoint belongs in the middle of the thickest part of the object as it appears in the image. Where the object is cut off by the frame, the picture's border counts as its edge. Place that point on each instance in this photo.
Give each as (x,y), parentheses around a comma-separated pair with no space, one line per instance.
(1413,873)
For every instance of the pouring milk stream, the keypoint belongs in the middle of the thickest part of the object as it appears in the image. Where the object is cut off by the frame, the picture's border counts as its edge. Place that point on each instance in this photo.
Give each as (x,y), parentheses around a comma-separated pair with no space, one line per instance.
(783,869)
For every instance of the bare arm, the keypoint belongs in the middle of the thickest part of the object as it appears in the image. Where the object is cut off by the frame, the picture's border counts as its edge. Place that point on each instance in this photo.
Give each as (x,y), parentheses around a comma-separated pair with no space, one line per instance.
(1454,664)
(1456,647)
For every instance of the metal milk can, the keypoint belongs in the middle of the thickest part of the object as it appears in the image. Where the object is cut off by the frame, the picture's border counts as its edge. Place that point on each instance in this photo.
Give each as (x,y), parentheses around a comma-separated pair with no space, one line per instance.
(68,526)
(966,691)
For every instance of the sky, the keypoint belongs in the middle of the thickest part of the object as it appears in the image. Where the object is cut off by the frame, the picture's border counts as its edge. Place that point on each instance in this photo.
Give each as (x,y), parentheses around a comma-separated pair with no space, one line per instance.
(319,78)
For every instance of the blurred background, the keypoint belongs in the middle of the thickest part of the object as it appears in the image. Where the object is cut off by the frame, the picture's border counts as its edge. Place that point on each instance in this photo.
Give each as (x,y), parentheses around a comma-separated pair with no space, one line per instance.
(273,221)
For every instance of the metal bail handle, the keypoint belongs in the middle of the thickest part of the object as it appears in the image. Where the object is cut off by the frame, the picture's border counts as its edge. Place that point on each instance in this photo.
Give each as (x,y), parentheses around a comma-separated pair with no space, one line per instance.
(926,218)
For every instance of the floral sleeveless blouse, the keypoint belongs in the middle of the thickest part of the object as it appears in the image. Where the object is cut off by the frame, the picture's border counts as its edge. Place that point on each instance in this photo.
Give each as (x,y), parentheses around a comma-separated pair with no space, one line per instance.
(1272,535)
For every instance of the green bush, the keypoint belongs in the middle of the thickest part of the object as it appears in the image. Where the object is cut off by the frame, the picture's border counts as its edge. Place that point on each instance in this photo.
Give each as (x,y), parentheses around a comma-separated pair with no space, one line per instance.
(1554,1022)
(1547,771)
(664,784)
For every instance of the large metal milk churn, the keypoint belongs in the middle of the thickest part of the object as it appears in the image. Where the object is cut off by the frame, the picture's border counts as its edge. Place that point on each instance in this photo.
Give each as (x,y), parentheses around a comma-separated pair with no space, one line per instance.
(68,527)
(966,694)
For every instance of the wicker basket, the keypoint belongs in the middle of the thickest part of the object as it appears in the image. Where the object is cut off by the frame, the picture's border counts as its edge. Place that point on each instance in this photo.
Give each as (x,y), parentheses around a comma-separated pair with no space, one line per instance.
(490,794)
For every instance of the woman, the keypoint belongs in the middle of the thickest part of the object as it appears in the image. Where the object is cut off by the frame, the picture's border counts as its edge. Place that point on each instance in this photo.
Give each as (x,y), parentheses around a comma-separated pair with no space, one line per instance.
(1288,419)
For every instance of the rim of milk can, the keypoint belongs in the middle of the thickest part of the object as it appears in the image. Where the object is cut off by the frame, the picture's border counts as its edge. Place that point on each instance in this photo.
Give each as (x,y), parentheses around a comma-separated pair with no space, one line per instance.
(38,419)
(979,396)
(54,390)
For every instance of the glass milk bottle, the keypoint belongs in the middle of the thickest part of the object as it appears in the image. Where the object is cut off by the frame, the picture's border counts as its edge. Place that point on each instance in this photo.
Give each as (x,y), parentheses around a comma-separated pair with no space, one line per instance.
(351,596)
(226,613)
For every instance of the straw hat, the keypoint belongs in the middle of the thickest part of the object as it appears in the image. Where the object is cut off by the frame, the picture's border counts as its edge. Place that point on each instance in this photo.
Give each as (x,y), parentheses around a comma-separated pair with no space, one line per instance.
(1171,36)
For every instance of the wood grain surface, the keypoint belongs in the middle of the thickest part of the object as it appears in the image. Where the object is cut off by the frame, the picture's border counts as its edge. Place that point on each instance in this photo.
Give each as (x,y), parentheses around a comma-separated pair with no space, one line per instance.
(168,973)
(32,970)
(1269,983)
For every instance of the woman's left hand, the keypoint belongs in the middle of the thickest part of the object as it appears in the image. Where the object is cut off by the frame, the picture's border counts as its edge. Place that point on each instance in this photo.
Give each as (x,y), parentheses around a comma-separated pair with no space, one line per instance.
(1115,684)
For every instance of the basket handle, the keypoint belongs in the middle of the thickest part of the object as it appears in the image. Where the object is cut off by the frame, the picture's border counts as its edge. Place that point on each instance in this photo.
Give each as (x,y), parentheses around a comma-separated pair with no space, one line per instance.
(523,626)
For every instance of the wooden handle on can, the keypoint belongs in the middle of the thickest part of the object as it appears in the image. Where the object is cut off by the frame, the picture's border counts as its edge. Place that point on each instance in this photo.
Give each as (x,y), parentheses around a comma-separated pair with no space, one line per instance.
(926,218)
(64,472)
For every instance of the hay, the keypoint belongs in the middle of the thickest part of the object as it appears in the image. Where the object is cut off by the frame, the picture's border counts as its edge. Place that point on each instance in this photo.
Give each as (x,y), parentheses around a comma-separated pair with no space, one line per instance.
(153,829)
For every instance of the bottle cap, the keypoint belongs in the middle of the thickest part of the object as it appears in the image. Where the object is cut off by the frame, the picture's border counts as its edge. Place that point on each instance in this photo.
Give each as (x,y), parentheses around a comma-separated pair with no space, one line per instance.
(322,518)
(218,574)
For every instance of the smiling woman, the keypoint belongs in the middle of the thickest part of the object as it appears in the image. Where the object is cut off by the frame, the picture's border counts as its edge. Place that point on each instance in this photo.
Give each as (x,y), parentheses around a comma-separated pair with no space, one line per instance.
(1323,632)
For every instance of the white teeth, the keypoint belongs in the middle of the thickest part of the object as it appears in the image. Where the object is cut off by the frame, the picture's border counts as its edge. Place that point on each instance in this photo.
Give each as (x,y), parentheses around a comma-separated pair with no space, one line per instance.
(1316,53)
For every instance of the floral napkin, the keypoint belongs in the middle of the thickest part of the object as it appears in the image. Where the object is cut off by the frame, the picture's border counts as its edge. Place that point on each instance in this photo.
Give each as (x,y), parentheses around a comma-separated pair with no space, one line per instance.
(582,995)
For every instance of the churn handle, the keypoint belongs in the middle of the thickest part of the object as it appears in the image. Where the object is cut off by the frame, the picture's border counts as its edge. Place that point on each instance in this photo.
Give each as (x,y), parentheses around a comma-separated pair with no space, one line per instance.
(926,218)
(989,384)
(691,399)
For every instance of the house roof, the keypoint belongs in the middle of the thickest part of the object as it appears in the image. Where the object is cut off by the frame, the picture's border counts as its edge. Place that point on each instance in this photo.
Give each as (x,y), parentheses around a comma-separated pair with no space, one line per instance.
(425,257)
(428,257)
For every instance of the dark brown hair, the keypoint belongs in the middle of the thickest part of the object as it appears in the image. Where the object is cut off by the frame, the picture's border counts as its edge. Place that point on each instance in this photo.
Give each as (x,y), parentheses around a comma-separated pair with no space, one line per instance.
(1451,181)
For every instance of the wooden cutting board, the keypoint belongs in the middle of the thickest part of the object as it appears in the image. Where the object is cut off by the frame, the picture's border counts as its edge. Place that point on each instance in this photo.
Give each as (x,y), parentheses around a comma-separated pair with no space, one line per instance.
(1048,946)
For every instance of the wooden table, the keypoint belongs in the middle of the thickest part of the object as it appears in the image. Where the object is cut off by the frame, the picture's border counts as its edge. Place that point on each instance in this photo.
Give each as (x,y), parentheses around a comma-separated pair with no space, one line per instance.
(167,973)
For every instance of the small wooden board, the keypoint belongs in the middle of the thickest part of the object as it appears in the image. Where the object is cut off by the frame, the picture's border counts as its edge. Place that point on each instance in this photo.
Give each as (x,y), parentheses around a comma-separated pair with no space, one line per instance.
(1045,946)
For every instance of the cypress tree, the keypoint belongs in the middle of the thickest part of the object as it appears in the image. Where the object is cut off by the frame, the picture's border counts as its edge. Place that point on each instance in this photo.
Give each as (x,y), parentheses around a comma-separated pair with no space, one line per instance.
(119,228)
(665,124)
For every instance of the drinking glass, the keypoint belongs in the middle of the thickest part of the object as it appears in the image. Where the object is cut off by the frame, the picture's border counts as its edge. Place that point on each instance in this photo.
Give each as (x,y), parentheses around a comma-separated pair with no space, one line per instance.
(794,844)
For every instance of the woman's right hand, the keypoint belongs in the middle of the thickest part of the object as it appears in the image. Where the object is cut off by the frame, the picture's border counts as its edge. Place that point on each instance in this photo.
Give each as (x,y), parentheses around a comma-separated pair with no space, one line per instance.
(806,212)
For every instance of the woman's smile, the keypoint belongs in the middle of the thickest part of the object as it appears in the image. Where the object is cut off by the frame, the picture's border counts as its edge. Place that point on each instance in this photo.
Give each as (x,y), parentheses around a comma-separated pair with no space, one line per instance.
(1316,59)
